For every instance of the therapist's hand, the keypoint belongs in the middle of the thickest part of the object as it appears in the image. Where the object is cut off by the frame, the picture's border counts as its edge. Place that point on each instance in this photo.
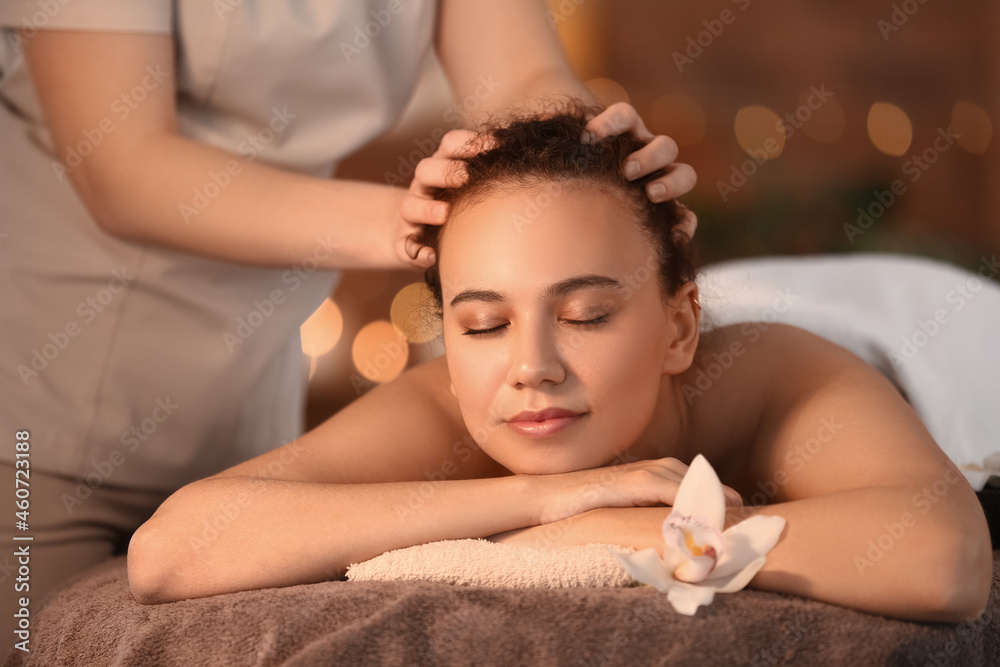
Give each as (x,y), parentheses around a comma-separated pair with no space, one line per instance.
(444,169)
(659,153)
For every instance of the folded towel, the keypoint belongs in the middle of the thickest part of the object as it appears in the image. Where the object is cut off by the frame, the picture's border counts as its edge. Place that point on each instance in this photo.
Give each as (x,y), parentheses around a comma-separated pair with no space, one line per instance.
(931,328)
(479,562)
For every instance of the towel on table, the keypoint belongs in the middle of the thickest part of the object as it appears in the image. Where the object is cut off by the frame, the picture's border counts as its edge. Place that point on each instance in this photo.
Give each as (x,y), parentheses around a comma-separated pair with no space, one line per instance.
(479,562)
(94,621)
(931,328)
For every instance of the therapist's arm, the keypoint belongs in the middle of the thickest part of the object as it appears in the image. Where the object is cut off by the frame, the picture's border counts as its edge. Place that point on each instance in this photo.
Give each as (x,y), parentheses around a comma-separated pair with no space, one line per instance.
(143,182)
(499,55)
(502,56)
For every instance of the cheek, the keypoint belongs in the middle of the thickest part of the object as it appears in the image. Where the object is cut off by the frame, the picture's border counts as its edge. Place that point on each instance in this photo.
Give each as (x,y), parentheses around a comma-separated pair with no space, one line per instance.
(623,375)
(475,377)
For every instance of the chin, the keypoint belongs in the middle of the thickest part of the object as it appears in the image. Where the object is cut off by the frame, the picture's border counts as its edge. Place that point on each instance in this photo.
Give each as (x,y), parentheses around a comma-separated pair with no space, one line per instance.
(547,464)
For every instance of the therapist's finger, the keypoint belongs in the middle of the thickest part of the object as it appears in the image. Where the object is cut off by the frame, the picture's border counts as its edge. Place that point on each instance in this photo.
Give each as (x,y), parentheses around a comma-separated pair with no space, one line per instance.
(618,118)
(421,210)
(437,172)
(679,180)
(463,144)
(419,255)
(659,153)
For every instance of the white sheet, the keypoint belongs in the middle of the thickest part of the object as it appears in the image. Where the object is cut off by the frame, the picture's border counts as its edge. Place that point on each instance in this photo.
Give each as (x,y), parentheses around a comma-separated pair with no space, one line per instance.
(932,328)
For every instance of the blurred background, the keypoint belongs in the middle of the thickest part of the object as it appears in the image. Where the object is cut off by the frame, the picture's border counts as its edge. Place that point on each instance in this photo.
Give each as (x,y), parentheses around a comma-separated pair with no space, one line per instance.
(815,126)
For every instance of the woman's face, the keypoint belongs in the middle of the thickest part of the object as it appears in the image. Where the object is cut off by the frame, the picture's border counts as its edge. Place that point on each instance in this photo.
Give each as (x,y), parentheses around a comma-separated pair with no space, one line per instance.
(563,284)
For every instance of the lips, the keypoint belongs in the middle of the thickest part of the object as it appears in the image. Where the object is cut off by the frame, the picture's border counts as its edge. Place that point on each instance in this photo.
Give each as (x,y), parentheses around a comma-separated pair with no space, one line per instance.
(544,415)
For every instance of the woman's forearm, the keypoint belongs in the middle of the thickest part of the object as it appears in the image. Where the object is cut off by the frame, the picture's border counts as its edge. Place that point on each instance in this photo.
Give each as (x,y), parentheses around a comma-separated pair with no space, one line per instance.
(870,549)
(177,193)
(221,535)
(874,549)
(636,527)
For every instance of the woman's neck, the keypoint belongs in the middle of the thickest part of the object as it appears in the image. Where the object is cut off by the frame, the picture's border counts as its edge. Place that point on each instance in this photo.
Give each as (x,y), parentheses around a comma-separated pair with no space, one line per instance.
(671,429)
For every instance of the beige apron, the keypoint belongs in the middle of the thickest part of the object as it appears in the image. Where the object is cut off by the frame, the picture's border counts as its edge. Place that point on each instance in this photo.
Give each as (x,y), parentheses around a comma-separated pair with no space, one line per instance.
(143,367)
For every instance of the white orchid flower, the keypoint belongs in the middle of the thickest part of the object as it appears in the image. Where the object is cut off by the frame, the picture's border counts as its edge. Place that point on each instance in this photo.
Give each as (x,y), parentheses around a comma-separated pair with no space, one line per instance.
(699,559)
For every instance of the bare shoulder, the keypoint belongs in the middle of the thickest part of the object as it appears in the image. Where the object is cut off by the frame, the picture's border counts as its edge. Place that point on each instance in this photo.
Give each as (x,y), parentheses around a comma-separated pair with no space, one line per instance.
(743,371)
(809,416)
(404,430)
(726,388)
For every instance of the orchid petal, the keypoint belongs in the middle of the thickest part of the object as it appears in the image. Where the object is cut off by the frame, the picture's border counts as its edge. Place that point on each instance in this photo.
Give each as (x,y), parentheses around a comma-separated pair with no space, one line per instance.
(701,493)
(686,598)
(746,541)
(646,566)
(737,580)
(694,569)
(673,558)
(692,535)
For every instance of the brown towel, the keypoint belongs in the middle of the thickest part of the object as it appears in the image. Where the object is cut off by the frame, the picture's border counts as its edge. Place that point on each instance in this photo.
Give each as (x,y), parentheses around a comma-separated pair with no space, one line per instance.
(94,622)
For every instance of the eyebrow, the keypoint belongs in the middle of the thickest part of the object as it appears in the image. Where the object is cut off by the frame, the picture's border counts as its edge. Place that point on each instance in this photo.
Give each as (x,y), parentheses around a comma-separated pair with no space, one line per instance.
(561,288)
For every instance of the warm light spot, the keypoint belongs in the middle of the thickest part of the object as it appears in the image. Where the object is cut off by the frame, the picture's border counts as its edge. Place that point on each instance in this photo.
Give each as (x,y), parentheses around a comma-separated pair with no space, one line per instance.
(379,352)
(322,330)
(412,312)
(826,123)
(679,117)
(889,128)
(972,127)
(607,91)
(760,132)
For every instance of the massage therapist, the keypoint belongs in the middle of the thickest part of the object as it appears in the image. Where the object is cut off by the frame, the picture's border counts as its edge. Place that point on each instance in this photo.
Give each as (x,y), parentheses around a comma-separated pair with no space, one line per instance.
(166,167)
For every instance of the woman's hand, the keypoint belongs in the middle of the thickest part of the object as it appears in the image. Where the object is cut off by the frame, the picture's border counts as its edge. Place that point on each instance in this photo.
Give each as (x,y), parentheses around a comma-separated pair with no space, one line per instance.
(659,153)
(444,169)
(644,483)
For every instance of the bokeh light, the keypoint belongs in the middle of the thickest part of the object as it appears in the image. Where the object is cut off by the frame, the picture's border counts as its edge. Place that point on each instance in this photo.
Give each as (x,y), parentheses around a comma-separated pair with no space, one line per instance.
(972,125)
(760,132)
(379,351)
(679,116)
(322,330)
(412,312)
(889,129)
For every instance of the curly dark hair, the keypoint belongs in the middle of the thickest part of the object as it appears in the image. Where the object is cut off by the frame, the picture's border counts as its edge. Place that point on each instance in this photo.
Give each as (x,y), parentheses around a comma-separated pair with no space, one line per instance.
(539,149)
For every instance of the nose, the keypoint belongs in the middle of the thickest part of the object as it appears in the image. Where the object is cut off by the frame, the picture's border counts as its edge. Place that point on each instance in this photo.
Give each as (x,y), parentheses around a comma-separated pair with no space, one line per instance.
(534,357)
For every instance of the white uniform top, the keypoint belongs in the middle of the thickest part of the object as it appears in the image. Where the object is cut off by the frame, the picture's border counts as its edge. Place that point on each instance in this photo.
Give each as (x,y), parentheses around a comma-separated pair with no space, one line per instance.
(138,366)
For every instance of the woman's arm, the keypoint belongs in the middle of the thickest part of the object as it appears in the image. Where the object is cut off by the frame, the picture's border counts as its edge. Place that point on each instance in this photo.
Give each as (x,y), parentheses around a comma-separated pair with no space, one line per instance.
(230,533)
(877,517)
(144,182)
(356,486)
(813,559)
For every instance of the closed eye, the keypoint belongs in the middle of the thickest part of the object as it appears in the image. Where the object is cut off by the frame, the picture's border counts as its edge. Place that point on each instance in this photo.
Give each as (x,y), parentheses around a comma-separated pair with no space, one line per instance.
(597,321)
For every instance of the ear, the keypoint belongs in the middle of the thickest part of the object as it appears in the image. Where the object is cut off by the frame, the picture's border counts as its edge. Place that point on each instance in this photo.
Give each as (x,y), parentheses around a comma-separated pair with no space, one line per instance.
(683,317)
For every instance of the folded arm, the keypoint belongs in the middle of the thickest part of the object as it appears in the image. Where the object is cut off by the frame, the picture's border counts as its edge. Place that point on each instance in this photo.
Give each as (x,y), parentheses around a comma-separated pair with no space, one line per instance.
(878,518)
(866,549)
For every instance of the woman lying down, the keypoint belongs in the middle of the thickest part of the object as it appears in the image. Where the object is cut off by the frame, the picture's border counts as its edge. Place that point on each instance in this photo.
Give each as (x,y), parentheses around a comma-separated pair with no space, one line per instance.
(560,369)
